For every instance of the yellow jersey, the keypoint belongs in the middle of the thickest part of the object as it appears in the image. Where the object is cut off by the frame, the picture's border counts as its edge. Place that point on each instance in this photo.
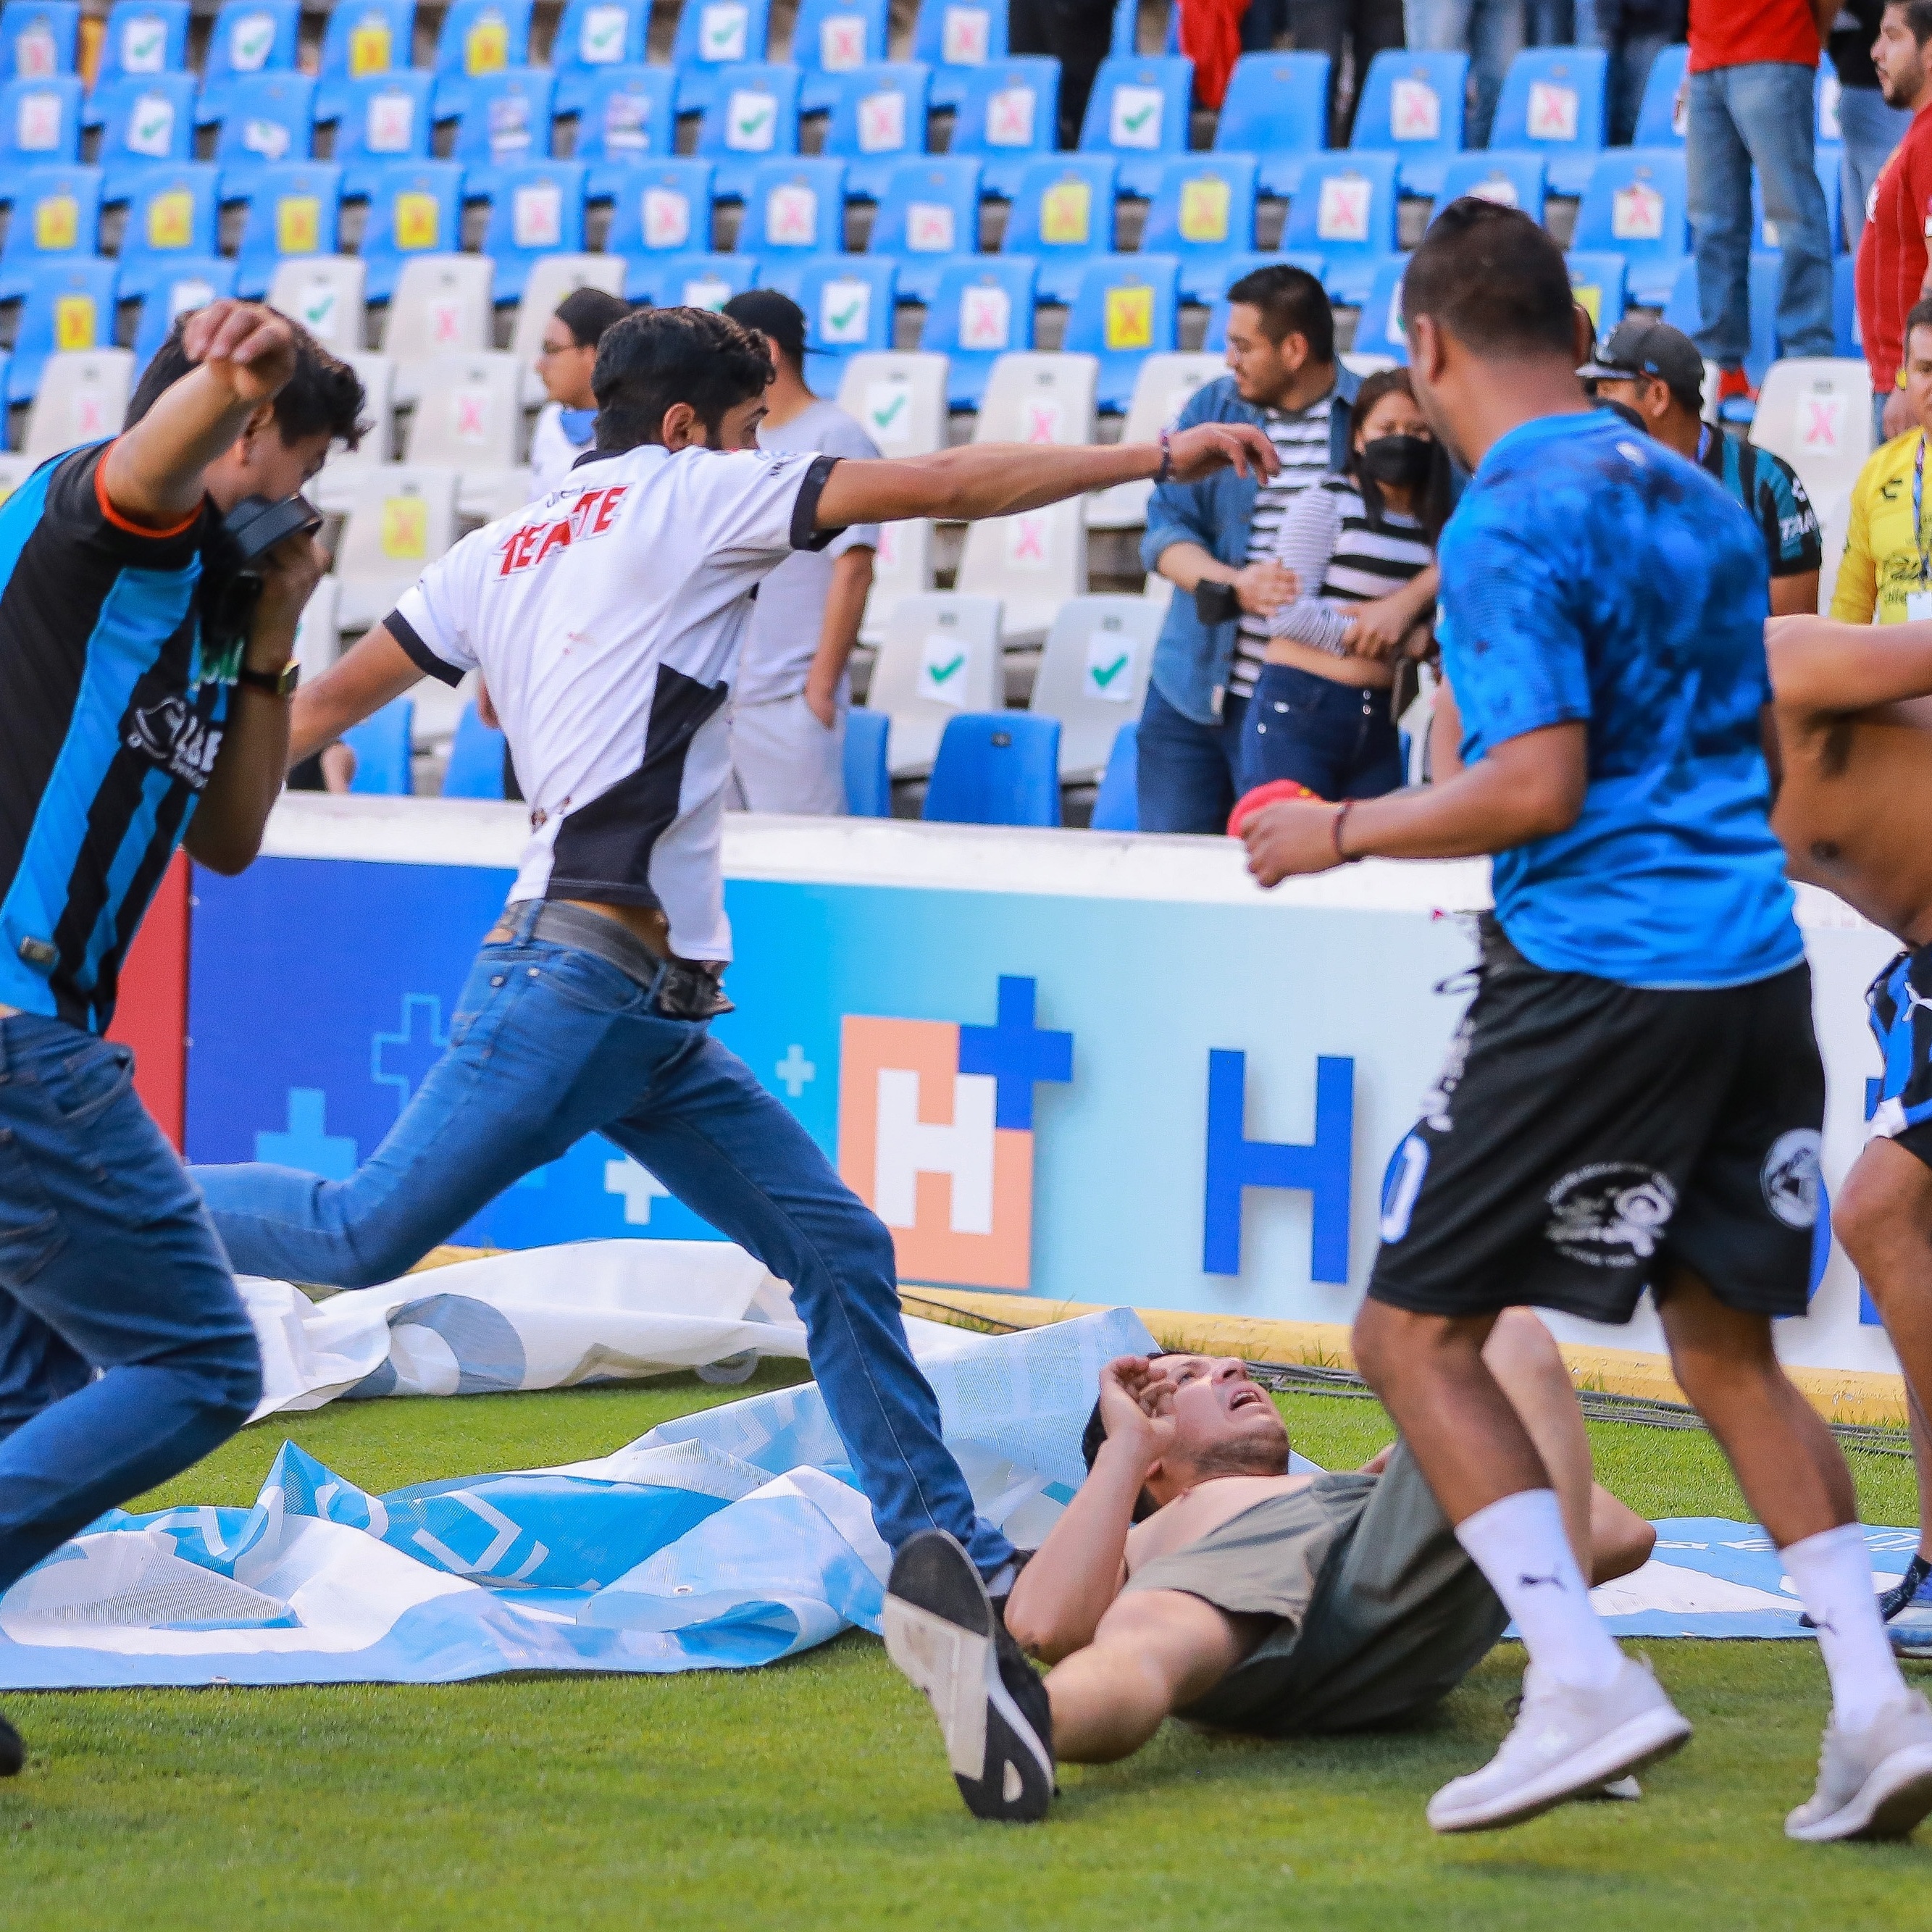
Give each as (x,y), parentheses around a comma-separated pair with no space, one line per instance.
(1882,566)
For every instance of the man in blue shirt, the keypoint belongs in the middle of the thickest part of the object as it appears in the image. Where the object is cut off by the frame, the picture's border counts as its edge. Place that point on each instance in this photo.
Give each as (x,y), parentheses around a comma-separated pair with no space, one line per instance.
(1633,1098)
(142,707)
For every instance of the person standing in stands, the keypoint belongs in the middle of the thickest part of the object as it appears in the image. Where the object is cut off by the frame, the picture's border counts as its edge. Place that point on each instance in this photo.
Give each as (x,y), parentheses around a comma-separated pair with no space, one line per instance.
(788,706)
(1354,31)
(1490,31)
(1886,575)
(1753,64)
(1077,34)
(1870,126)
(1633,33)
(1892,269)
(564,362)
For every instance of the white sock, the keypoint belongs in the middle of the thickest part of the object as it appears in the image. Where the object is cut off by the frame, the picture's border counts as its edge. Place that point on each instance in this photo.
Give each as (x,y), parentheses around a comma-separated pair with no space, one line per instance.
(1520,1545)
(1832,1573)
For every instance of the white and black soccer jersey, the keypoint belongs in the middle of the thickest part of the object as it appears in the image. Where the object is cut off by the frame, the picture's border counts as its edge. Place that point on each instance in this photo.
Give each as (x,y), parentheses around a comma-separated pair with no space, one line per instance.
(606,620)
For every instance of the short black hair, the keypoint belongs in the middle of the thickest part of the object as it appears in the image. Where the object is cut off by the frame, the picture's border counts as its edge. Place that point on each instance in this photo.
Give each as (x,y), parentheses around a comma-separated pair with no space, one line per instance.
(1918,17)
(324,393)
(1495,279)
(1292,302)
(1919,315)
(588,312)
(656,357)
(773,314)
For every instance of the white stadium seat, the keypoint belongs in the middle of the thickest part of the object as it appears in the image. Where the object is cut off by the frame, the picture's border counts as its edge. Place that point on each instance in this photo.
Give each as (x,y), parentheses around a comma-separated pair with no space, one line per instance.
(1816,413)
(442,307)
(1165,386)
(83,397)
(14,470)
(335,490)
(1366,366)
(325,294)
(552,277)
(897,397)
(1035,396)
(319,631)
(403,519)
(1092,677)
(470,418)
(1033,562)
(940,657)
(902,568)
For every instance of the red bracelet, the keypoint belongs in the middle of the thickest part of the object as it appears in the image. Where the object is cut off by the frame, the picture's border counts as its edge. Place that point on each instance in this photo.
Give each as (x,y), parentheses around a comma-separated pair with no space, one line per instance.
(1335,825)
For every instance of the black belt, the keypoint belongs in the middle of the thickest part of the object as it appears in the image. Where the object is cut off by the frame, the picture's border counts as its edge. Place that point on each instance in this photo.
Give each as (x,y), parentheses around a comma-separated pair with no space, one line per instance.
(683,989)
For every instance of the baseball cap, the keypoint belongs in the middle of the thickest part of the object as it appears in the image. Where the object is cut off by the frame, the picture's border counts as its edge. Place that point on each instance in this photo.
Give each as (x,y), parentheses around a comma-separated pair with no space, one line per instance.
(1634,349)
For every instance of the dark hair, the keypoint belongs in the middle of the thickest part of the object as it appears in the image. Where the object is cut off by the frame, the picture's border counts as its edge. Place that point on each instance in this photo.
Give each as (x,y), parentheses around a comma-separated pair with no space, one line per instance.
(1095,1433)
(774,315)
(655,357)
(1919,315)
(323,393)
(1494,279)
(1291,302)
(1432,501)
(588,312)
(1918,17)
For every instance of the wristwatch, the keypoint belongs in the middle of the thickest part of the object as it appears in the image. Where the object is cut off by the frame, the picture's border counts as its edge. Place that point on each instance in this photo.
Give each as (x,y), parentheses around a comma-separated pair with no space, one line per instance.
(277,683)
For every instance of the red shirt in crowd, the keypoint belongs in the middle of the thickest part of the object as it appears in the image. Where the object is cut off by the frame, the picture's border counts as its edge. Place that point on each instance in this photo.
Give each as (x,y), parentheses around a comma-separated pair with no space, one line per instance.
(1735,33)
(1892,252)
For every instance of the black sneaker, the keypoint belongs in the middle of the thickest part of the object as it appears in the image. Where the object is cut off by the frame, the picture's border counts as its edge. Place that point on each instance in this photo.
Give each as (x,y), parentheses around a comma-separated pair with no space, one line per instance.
(13,1752)
(943,1632)
(1891,1601)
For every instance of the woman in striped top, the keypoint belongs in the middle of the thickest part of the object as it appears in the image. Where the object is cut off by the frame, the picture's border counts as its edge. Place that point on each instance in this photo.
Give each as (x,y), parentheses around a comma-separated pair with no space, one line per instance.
(1322,713)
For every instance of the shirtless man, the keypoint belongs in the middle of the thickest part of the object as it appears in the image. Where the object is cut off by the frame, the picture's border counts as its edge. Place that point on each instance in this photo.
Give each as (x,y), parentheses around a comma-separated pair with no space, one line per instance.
(1854,706)
(1192,1575)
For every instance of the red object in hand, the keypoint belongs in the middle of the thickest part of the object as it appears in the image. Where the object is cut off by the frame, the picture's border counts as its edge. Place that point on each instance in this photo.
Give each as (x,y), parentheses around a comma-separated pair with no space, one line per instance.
(1273,793)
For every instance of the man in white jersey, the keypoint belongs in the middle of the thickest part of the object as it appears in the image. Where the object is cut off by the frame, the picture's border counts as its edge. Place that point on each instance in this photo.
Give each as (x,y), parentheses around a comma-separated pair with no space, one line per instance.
(608,620)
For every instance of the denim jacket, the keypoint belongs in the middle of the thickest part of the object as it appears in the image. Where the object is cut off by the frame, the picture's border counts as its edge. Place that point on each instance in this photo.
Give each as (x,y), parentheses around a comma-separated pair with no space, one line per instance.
(1191,661)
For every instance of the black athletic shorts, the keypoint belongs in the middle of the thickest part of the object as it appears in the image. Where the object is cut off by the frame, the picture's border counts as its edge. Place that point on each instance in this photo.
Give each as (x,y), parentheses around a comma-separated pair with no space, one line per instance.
(1585,1134)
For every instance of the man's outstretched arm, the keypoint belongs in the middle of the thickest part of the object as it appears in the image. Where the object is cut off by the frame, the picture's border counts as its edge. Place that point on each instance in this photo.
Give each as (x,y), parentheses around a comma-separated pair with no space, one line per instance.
(1821,666)
(367,676)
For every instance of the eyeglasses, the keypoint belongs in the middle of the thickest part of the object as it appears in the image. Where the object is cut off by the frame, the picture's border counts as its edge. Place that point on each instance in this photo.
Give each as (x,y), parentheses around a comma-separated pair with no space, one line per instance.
(546,350)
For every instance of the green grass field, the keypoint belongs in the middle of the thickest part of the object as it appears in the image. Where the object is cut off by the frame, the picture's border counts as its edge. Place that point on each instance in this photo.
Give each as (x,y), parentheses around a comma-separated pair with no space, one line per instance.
(814,1794)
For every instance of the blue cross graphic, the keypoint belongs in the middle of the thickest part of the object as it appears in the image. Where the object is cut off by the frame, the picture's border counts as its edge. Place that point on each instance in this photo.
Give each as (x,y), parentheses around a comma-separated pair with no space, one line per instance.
(306,1145)
(1016,1052)
(401,1060)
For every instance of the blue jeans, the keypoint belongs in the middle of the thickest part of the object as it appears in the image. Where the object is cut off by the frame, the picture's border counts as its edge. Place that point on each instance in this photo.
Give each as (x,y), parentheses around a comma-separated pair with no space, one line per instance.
(107,1263)
(1189,773)
(1491,32)
(1871,130)
(1631,58)
(1337,740)
(1759,113)
(550,1043)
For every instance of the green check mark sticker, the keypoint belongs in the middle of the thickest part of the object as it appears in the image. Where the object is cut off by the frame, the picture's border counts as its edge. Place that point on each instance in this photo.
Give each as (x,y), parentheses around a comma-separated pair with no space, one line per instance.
(844,318)
(1135,122)
(883,418)
(939,673)
(1104,678)
(748,124)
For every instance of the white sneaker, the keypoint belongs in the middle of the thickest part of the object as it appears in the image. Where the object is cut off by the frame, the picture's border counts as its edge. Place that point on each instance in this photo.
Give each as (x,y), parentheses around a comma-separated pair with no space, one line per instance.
(1872,1783)
(1566,1744)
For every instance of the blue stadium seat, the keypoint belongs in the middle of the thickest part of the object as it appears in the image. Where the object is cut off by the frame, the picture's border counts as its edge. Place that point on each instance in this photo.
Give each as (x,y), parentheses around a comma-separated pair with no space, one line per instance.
(507,122)
(415,208)
(1138,112)
(832,38)
(1063,217)
(954,37)
(663,209)
(1494,174)
(363,37)
(754,114)
(38,38)
(593,36)
(1378,330)
(1116,806)
(270,119)
(40,122)
(848,302)
(56,217)
(1845,308)
(930,212)
(146,121)
(1276,107)
(1597,280)
(250,38)
(1636,203)
(1125,38)
(191,282)
(1345,211)
(536,209)
(1657,125)
(627,115)
(294,208)
(878,120)
(475,769)
(694,280)
(478,37)
(385,119)
(1217,337)
(996,768)
(982,310)
(1008,112)
(713,36)
(143,36)
(1203,213)
(1553,101)
(175,213)
(381,748)
(868,779)
(70,305)
(794,207)
(1412,105)
(1127,305)
(1681,310)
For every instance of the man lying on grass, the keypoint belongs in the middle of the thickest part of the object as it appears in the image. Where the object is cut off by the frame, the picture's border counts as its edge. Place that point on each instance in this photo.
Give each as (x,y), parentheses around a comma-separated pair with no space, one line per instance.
(1193,1576)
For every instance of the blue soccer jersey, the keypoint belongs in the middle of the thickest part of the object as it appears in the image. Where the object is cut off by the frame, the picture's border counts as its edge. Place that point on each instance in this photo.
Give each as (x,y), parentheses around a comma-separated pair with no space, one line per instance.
(1590,573)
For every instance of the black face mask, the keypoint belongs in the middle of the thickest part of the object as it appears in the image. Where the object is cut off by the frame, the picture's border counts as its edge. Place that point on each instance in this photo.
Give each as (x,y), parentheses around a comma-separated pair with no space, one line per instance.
(1403,460)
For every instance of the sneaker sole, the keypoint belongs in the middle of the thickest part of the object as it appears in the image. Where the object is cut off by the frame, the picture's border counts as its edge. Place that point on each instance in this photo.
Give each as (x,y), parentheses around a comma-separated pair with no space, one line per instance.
(1638,1741)
(1890,1802)
(939,1627)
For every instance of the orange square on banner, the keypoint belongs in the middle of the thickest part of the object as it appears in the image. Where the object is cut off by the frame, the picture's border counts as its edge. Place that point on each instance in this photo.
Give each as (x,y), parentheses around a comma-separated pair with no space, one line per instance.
(171,220)
(405,528)
(73,322)
(56,222)
(1130,318)
(298,225)
(486,49)
(369,49)
(417,221)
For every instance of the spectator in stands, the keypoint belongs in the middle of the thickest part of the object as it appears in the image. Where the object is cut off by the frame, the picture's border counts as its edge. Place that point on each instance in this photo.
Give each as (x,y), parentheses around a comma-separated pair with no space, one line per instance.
(789,705)
(1350,32)
(1655,370)
(1892,270)
(1885,576)
(1870,126)
(1753,68)
(1322,711)
(1077,34)
(569,354)
(1491,32)
(1633,33)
